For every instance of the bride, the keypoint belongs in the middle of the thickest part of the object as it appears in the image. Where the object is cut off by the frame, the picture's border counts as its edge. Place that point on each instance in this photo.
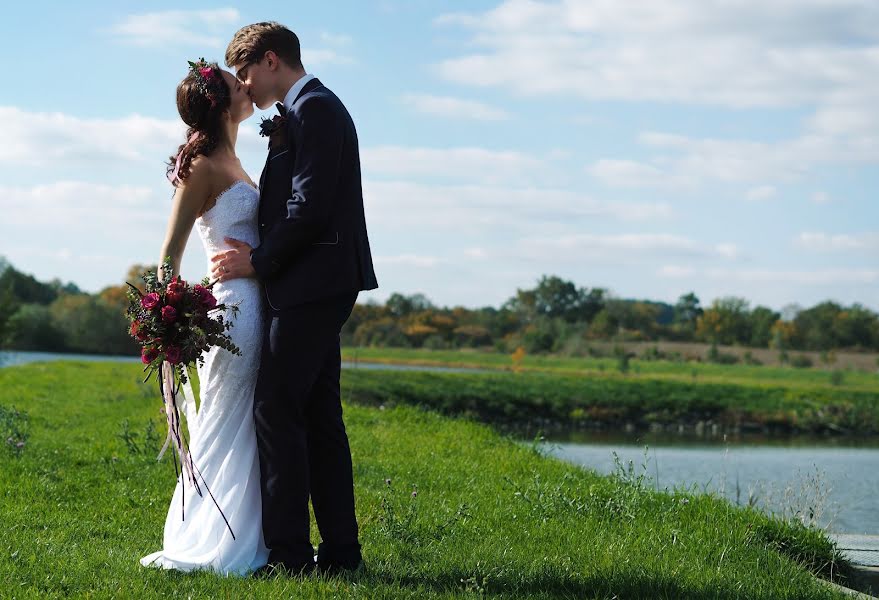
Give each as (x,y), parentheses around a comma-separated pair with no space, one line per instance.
(215,194)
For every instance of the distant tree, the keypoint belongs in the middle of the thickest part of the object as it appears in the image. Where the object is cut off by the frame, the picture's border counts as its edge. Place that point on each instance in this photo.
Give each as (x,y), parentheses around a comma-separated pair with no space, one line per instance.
(857,327)
(555,297)
(399,305)
(31,328)
(762,320)
(8,307)
(725,322)
(90,325)
(134,276)
(816,327)
(26,289)
(687,311)
(472,336)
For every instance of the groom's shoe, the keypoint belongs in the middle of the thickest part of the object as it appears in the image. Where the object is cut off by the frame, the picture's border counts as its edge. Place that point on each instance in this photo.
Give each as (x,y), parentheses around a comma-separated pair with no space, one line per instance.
(279,569)
(333,559)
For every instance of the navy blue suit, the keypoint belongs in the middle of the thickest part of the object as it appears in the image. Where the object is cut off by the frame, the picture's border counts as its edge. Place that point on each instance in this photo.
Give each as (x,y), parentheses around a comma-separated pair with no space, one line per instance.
(313,259)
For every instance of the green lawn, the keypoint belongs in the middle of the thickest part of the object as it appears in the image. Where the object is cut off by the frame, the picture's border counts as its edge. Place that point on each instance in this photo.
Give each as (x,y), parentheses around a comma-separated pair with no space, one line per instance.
(639,369)
(492,518)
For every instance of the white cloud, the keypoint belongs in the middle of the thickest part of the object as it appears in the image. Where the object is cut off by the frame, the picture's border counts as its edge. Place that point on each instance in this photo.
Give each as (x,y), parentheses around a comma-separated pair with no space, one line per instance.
(336,39)
(824,242)
(41,138)
(808,54)
(621,248)
(409,260)
(676,272)
(454,108)
(688,161)
(456,164)
(57,139)
(742,53)
(774,277)
(324,56)
(763,192)
(484,209)
(195,28)
(59,208)
(630,173)
(476,253)
(821,198)
(89,233)
(816,277)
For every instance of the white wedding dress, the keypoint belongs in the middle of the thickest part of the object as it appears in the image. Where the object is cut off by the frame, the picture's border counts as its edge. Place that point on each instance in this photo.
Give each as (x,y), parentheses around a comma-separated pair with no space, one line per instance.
(222,439)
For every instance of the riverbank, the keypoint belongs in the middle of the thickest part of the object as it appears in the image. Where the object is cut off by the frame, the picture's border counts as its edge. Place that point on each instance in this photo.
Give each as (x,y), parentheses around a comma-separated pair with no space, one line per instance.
(85,500)
(552,400)
(638,366)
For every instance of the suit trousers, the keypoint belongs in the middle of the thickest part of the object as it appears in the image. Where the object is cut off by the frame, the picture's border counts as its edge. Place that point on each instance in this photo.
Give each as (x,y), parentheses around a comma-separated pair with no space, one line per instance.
(301,438)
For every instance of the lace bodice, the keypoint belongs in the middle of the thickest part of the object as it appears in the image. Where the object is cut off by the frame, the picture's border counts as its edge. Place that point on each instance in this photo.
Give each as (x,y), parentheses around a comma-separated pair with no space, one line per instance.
(233,215)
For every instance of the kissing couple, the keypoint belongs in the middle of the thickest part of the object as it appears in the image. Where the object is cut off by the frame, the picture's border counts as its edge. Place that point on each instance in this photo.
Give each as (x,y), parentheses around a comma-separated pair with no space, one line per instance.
(292,253)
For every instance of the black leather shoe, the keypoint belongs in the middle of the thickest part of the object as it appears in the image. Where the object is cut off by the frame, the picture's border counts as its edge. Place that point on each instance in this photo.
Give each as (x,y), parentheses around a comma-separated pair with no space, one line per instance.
(279,569)
(334,559)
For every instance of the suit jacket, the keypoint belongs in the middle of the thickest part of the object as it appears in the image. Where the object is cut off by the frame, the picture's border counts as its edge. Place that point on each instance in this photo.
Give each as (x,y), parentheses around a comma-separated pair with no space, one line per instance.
(313,241)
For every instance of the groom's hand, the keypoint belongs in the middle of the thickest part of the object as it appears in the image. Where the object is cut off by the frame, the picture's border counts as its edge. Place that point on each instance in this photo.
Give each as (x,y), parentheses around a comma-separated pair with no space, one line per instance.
(233,263)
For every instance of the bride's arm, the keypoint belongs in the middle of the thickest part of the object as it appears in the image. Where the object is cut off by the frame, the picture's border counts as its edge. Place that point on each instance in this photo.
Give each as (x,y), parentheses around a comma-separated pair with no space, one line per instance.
(189,198)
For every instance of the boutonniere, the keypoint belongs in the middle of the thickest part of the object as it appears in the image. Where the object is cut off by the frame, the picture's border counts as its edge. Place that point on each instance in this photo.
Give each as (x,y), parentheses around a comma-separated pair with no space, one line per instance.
(275,128)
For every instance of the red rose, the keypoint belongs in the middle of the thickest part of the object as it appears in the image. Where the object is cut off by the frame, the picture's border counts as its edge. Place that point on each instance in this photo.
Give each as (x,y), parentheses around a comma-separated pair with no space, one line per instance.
(169,314)
(176,290)
(172,355)
(206,297)
(150,301)
(137,331)
(148,355)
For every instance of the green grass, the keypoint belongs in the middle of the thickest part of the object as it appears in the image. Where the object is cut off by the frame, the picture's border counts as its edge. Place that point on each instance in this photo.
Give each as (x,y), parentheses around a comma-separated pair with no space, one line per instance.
(560,400)
(492,518)
(639,369)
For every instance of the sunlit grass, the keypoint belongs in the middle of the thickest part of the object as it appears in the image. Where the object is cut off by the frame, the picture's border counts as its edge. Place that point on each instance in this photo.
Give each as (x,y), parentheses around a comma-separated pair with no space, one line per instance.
(491,517)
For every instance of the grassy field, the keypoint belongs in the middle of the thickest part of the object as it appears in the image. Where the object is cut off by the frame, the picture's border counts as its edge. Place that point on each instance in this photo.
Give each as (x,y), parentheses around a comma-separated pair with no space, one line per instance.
(80,505)
(702,372)
(556,400)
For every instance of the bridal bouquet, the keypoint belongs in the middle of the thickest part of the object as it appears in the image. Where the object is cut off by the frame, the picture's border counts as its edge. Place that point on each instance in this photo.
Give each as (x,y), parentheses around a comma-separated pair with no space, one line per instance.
(176,322)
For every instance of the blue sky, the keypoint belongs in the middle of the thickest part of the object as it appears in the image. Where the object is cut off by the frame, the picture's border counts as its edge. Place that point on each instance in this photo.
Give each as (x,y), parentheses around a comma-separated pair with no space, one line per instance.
(648,148)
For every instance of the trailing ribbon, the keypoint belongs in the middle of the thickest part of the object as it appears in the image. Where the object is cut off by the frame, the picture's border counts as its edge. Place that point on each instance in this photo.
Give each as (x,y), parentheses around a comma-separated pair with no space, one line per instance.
(188,469)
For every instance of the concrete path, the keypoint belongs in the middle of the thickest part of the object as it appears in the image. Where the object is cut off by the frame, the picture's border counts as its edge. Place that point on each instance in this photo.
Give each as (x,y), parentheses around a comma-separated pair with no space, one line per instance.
(862,551)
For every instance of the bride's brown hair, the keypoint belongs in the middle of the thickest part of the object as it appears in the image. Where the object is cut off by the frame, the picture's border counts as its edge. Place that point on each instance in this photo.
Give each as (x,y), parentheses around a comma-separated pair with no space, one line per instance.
(202,97)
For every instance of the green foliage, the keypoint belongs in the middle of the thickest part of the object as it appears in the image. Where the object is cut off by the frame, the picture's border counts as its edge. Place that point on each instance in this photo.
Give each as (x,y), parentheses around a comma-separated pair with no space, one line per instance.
(553,316)
(32,328)
(801,361)
(613,401)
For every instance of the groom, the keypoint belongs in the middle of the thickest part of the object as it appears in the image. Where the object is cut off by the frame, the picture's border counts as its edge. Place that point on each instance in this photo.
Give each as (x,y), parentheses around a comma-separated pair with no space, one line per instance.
(313,259)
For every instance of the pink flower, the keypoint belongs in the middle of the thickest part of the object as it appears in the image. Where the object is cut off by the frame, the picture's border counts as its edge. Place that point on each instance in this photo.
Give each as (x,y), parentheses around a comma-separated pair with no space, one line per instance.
(148,355)
(206,72)
(150,301)
(169,314)
(172,355)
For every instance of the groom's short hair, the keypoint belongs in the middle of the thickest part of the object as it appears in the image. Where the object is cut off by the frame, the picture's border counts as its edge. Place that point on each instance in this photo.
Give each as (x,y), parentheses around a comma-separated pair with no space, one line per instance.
(251,42)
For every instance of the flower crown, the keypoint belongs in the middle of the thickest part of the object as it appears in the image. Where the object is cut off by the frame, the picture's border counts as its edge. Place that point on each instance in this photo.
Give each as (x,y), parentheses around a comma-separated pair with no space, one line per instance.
(209,81)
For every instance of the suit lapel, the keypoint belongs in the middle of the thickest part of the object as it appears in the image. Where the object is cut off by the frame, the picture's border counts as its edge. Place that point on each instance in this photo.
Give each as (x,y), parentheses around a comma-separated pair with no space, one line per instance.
(311,85)
(314,83)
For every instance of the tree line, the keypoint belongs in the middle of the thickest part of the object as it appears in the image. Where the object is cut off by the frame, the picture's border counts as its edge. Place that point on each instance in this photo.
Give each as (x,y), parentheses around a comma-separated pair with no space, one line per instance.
(554,316)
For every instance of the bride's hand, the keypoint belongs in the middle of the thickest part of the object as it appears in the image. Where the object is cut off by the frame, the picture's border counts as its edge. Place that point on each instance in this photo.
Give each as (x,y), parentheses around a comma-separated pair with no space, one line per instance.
(234,263)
